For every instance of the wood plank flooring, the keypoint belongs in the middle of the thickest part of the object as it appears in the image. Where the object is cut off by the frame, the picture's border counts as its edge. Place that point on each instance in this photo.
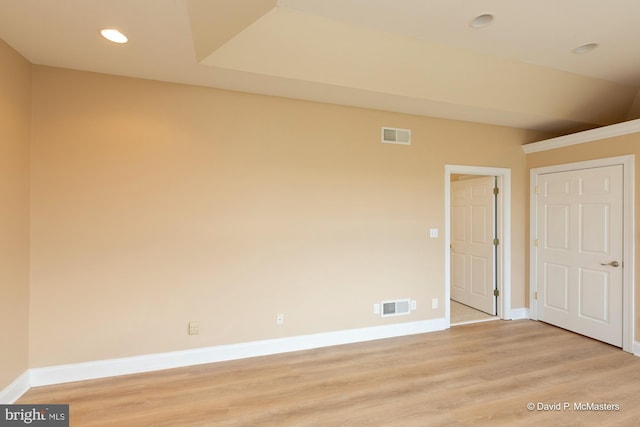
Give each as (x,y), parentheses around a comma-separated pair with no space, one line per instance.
(471,375)
(462,314)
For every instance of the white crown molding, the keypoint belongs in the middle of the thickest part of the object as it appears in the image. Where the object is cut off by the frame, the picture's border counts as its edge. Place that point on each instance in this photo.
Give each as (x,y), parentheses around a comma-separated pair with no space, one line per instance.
(154,362)
(610,131)
(16,389)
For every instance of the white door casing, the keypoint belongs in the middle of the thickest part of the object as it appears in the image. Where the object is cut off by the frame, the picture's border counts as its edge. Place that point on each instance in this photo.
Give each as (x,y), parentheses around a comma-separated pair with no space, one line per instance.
(582,217)
(503,214)
(472,247)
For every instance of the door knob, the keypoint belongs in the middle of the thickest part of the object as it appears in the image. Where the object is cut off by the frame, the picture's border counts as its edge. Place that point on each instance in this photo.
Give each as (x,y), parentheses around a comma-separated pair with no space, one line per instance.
(612,263)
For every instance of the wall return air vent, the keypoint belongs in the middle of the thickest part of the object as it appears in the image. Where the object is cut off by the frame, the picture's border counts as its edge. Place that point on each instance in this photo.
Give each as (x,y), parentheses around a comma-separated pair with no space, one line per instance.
(396,136)
(395,308)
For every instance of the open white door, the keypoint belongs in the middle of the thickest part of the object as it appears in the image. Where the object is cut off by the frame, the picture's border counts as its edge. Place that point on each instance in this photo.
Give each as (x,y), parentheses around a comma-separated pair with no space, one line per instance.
(580,249)
(473,272)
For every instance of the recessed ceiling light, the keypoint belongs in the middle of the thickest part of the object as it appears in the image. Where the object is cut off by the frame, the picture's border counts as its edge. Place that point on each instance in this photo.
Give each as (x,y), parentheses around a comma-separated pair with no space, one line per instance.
(481,20)
(114,35)
(588,47)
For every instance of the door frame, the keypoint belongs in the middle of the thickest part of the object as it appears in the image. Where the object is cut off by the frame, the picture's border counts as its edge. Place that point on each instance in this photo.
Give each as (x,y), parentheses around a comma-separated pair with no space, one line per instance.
(628,245)
(503,254)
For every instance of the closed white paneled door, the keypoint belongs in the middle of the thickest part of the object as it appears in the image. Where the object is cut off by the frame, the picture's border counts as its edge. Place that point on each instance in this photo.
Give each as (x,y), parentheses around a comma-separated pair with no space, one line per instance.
(580,248)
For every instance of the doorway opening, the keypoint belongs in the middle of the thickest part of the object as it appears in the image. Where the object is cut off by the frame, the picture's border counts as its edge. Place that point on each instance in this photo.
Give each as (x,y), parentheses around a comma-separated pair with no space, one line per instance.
(500,264)
(474,243)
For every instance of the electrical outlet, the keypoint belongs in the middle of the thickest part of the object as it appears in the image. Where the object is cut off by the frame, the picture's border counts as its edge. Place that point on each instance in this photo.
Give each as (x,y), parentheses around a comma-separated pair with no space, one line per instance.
(413,304)
(376,308)
(434,303)
(280,319)
(194,328)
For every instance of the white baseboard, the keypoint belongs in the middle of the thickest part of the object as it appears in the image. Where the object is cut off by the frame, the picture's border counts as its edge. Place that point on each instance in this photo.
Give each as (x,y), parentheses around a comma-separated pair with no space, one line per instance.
(153,362)
(636,348)
(16,389)
(519,313)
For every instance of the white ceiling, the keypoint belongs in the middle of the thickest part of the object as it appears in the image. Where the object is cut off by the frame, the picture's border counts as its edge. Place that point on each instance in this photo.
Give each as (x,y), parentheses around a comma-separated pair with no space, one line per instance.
(539,32)
(412,56)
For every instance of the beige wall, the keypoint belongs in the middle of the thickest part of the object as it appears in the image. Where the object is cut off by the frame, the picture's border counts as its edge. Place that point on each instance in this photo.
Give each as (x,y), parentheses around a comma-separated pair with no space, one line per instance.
(610,147)
(15,119)
(155,204)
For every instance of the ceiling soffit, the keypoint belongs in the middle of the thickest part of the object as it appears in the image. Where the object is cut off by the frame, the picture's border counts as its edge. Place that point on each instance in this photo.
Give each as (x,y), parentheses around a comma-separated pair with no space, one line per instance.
(294,46)
(229,20)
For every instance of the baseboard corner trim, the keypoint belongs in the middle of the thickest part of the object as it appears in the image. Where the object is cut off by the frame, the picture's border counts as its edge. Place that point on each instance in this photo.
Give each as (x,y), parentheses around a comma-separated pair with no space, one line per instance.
(519,313)
(636,348)
(11,393)
(154,362)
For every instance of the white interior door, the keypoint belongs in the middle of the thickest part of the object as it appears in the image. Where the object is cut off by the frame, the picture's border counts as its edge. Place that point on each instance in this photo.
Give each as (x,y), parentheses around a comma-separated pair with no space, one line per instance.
(580,246)
(472,250)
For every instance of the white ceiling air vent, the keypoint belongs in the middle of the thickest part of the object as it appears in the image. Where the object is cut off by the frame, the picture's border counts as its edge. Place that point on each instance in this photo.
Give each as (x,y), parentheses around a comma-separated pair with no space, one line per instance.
(396,136)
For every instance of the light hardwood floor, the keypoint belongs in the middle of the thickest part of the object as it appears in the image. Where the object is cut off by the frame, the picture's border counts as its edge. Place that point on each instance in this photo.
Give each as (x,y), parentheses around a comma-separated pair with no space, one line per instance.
(478,374)
(462,314)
